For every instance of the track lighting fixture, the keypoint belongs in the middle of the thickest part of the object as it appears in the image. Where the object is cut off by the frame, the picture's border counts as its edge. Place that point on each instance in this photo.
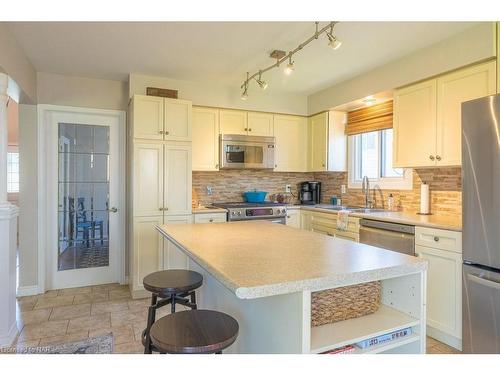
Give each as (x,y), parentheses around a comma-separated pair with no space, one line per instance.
(281,57)
(290,67)
(333,41)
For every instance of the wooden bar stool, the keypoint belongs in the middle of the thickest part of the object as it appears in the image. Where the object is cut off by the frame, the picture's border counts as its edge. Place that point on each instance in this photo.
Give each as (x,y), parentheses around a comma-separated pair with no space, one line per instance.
(169,287)
(194,332)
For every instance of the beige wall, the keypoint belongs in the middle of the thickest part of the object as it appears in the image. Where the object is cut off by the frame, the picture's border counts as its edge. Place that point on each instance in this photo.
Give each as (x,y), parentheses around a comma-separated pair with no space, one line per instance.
(472,45)
(28,249)
(213,95)
(14,62)
(59,89)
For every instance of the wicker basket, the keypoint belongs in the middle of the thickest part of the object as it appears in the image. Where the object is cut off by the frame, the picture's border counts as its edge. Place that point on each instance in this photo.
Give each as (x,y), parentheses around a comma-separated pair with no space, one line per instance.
(334,305)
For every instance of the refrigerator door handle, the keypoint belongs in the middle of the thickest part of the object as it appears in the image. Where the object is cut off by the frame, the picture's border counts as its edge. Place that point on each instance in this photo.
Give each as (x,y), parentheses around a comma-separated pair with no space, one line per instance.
(484,281)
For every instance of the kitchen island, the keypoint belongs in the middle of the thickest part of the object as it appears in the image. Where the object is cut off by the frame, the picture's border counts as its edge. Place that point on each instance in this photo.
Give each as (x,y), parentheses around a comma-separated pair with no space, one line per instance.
(263,275)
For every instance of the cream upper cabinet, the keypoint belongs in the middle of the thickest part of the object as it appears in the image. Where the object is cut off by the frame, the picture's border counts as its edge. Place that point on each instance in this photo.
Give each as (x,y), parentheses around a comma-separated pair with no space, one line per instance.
(427,116)
(177,180)
(177,125)
(498,57)
(291,143)
(454,89)
(148,117)
(205,139)
(233,122)
(415,125)
(260,124)
(148,179)
(317,142)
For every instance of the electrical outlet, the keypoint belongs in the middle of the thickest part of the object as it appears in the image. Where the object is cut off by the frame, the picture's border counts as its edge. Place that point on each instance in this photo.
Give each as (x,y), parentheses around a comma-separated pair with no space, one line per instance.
(288,188)
(210,190)
(343,189)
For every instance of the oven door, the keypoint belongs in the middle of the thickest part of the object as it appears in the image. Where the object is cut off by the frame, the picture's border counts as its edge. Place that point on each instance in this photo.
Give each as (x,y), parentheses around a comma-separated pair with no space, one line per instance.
(246,155)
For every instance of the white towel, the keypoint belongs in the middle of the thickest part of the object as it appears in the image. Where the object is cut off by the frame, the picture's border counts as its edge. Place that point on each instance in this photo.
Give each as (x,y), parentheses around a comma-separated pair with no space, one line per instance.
(342,219)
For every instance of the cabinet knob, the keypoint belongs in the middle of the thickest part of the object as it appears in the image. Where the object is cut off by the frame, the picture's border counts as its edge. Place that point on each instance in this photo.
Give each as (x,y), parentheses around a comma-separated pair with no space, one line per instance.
(160,208)
(323,164)
(438,157)
(216,166)
(167,133)
(275,165)
(436,238)
(249,129)
(211,220)
(246,129)
(160,131)
(431,157)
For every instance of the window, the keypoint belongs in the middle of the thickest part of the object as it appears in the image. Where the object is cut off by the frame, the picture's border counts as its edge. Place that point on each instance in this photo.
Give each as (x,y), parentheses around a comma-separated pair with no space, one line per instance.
(13,172)
(370,154)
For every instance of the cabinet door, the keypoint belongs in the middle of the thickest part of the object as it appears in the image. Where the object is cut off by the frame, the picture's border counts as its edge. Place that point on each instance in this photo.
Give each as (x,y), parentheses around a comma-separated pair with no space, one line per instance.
(148,117)
(177,120)
(318,140)
(415,125)
(148,179)
(205,139)
(177,181)
(444,290)
(454,89)
(291,143)
(233,122)
(260,124)
(174,258)
(148,248)
(293,218)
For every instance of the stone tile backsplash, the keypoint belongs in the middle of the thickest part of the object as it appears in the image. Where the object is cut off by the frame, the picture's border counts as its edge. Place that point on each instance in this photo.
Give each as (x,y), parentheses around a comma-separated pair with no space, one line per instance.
(445,187)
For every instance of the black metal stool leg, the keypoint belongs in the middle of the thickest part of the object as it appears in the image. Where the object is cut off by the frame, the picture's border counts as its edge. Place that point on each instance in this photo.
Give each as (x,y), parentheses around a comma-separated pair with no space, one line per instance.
(193,300)
(172,303)
(151,320)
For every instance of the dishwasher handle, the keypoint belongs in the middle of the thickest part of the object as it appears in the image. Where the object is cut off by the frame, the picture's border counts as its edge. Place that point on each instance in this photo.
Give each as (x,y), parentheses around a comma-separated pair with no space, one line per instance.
(385,225)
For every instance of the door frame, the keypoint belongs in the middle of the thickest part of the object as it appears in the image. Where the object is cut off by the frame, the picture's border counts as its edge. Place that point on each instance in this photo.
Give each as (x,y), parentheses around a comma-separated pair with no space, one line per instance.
(46,114)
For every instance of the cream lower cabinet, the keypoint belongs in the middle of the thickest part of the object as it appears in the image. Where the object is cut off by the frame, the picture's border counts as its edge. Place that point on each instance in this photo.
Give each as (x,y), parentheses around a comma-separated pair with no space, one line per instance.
(326,223)
(205,139)
(427,116)
(290,133)
(444,283)
(293,218)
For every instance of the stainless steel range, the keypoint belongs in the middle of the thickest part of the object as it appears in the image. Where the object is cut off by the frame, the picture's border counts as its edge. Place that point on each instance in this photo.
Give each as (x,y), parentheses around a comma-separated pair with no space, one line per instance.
(238,211)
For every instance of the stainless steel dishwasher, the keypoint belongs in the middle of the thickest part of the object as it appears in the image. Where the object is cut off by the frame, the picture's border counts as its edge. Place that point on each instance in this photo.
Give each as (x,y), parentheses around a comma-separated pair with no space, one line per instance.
(390,236)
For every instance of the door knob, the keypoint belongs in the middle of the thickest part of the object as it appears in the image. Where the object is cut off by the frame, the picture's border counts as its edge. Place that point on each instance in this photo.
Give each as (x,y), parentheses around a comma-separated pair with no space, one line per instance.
(431,157)
(113,209)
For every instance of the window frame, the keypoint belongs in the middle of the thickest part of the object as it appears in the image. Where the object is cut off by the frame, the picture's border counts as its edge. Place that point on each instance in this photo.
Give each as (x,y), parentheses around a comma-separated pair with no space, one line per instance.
(396,183)
(9,173)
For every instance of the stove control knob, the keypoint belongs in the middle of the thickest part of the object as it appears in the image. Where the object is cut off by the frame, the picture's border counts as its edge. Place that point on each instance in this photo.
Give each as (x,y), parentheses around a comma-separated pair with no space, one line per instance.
(233,213)
(239,213)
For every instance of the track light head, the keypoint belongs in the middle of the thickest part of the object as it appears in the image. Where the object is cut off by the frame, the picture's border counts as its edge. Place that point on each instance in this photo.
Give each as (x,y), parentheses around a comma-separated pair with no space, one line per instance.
(262,84)
(290,67)
(333,41)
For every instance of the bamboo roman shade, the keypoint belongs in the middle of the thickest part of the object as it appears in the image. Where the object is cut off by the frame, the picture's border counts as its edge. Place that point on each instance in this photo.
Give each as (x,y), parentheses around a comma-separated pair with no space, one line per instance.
(369,119)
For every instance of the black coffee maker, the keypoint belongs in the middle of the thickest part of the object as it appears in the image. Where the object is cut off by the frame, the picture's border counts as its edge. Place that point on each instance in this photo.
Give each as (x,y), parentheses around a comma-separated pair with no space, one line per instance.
(310,192)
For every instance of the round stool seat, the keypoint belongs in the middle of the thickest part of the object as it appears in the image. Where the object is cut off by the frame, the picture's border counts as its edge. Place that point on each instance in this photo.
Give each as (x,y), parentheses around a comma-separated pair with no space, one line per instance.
(172,281)
(194,332)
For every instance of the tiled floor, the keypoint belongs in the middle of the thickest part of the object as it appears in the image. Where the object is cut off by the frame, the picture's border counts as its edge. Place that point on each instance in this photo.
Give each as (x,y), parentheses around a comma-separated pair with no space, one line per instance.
(66,315)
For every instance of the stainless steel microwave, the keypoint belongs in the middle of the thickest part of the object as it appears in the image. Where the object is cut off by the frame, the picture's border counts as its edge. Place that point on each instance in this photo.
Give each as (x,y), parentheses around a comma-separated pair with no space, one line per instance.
(246,152)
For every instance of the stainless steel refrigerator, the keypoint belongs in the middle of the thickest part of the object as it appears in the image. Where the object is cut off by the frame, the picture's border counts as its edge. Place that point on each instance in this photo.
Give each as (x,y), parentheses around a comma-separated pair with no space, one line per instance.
(481,225)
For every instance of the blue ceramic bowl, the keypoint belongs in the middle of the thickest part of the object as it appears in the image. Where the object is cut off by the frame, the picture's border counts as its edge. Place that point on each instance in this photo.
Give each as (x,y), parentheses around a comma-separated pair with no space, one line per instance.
(255,196)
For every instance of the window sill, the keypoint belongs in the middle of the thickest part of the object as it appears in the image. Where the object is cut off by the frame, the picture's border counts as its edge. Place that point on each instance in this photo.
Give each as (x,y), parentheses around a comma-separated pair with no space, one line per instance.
(405,183)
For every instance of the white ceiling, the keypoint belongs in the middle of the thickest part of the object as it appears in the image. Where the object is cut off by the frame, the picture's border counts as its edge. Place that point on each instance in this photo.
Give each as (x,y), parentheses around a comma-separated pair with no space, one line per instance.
(221,52)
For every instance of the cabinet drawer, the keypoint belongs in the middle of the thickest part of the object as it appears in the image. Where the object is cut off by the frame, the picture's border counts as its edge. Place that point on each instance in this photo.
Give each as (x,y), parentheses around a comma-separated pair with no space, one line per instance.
(347,235)
(319,228)
(439,239)
(210,218)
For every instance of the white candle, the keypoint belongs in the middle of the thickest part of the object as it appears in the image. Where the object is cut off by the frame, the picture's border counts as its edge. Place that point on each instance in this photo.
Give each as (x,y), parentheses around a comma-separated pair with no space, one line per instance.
(424,198)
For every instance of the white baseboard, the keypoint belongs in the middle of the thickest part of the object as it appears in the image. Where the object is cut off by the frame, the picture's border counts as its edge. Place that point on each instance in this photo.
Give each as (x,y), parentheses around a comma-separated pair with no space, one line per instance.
(8,340)
(444,338)
(30,290)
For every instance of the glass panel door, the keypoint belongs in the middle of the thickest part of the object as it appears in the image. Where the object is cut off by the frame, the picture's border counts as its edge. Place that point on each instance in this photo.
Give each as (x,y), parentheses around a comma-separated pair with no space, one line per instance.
(83,197)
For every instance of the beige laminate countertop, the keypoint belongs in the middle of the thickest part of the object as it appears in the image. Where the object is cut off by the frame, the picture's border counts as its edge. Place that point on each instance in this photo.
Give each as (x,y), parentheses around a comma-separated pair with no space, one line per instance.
(208,210)
(432,221)
(257,259)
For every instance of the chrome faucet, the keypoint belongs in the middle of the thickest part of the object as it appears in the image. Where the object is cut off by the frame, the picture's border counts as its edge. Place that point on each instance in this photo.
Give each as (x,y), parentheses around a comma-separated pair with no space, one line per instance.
(365,188)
